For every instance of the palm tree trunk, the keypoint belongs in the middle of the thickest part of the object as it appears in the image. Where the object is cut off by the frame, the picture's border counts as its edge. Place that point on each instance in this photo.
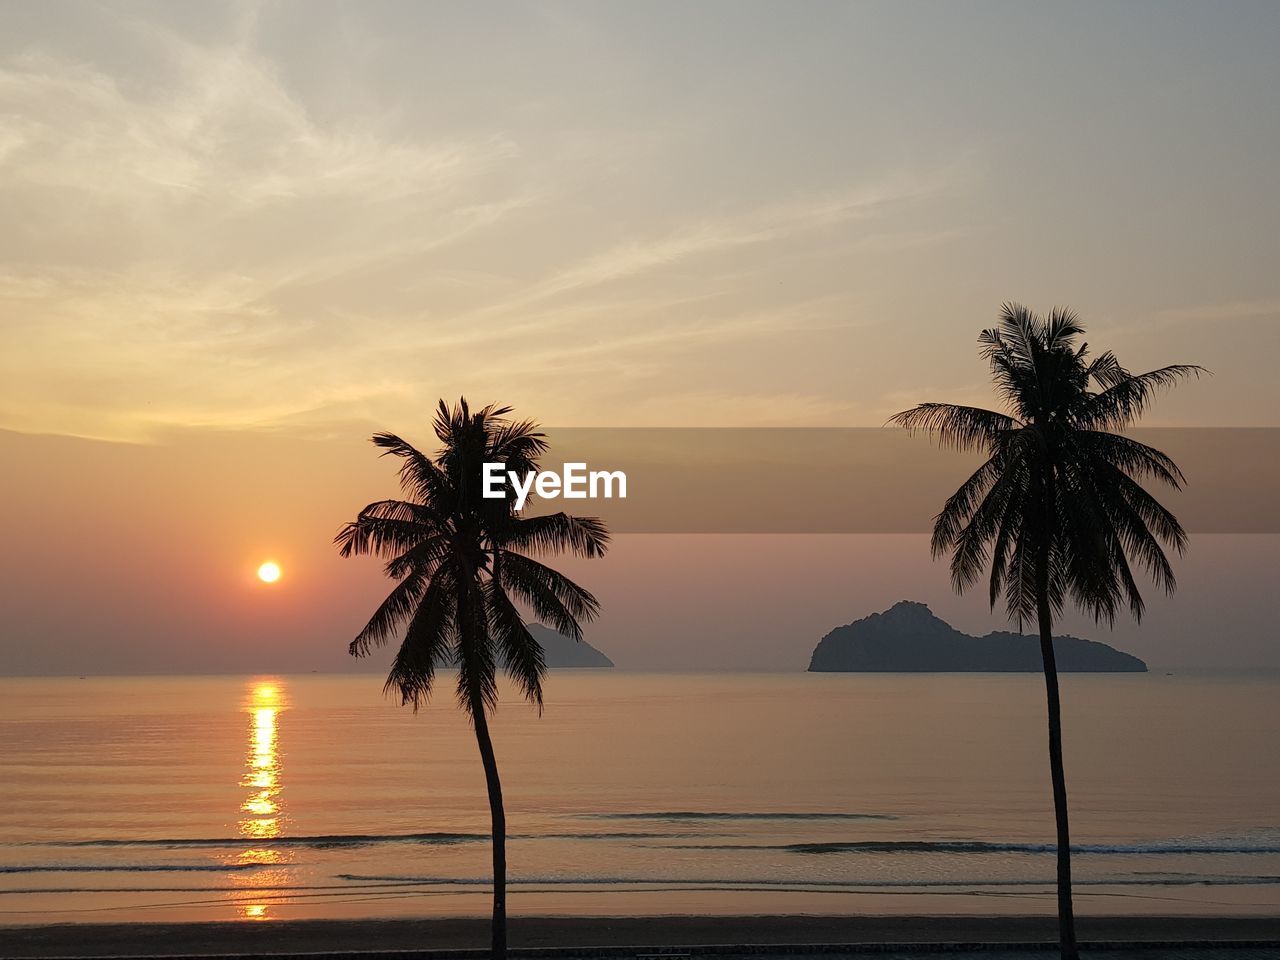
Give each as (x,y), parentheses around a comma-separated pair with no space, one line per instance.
(498,817)
(1066,914)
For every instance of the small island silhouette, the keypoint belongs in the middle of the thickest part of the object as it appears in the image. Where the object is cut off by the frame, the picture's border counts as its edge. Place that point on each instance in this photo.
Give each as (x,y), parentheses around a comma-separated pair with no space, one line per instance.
(563,652)
(908,638)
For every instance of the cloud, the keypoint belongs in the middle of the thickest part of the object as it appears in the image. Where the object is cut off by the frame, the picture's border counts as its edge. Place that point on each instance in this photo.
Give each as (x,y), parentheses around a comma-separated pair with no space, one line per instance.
(771,223)
(717,408)
(163,238)
(1231,310)
(191,244)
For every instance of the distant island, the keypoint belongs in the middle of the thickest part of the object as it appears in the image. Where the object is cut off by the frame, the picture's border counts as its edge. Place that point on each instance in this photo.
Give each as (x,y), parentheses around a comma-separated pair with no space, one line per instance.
(908,638)
(562,651)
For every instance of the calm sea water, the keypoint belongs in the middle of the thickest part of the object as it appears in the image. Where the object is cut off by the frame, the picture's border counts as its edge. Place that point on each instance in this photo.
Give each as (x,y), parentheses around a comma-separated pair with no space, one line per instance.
(284,797)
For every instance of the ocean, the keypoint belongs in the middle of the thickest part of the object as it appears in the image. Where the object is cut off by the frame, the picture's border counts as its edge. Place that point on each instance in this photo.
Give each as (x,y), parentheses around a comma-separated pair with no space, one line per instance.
(216,798)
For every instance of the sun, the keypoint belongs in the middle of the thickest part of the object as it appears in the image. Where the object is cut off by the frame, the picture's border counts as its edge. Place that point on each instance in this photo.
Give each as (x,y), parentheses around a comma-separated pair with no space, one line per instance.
(269,572)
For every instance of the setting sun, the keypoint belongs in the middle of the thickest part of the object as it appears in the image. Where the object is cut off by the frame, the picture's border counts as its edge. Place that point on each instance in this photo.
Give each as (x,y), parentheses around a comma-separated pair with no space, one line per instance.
(269,572)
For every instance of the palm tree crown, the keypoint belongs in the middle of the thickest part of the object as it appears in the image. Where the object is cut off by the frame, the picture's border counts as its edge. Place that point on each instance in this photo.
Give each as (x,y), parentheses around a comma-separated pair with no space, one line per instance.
(1056,478)
(462,562)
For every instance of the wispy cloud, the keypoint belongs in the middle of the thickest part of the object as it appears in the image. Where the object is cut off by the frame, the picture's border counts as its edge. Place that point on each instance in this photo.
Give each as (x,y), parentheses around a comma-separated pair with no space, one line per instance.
(717,408)
(202,248)
(768,224)
(1231,310)
(166,237)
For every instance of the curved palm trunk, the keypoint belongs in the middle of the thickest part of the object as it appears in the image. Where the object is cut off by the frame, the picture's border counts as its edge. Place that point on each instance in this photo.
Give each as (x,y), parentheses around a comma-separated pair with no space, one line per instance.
(498,818)
(1066,914)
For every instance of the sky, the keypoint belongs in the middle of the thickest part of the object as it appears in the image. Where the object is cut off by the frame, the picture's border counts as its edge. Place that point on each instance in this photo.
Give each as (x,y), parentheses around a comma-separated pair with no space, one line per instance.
(240,238)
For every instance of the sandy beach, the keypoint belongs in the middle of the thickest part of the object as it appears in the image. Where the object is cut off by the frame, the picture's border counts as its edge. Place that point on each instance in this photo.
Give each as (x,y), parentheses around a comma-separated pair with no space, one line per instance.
(372,937)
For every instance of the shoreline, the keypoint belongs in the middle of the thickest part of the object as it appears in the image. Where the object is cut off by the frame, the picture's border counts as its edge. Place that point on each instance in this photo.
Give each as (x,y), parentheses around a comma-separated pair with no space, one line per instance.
(809,934)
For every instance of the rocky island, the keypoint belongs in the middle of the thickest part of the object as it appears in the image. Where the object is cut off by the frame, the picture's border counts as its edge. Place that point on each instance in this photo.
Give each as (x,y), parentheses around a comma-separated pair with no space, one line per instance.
(561,651)
(908,638)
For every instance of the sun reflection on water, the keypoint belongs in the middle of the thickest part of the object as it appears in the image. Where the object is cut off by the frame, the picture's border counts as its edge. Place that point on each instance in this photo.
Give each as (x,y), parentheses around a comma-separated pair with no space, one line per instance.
(262,817)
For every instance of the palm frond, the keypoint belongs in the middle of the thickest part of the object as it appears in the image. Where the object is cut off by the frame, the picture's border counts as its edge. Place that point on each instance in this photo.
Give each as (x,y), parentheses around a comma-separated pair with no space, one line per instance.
(518,444)
(964,428)
(1061,327)
(1105,370)
(1002,548)
(1124,402)
(381,535)
(521,654)
(474,650)
(391,613)
(556,533)
(1137,459)
(1154,516)
(970,543)
(554,599)
(428,643)
(1020,583)
(419,476)
(424,557)
(1084,540)
(1135,537)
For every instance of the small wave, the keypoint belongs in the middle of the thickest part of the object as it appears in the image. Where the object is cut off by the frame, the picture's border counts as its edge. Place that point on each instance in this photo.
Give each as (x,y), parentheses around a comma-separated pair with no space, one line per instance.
(604,835)
(696,815)
(983,846)
(722,883)
(590,880)
(366,882)
(130,867)
(300,889)
(318,842)
(327,841)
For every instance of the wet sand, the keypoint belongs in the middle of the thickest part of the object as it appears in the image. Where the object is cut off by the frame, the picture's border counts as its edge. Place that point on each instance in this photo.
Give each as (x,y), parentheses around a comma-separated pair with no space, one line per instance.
(368,938)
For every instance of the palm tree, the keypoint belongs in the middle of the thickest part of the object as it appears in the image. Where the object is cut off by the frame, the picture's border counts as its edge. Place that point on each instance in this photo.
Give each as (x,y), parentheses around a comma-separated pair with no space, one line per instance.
(1057,510)
(462,562)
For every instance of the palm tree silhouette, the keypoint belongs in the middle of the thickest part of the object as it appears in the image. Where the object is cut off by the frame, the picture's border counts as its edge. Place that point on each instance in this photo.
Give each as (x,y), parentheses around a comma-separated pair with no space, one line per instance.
(1057,510)
(462,561)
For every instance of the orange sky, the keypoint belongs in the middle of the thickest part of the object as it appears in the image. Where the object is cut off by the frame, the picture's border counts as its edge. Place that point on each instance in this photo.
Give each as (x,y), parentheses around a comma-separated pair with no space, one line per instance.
(141,558)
